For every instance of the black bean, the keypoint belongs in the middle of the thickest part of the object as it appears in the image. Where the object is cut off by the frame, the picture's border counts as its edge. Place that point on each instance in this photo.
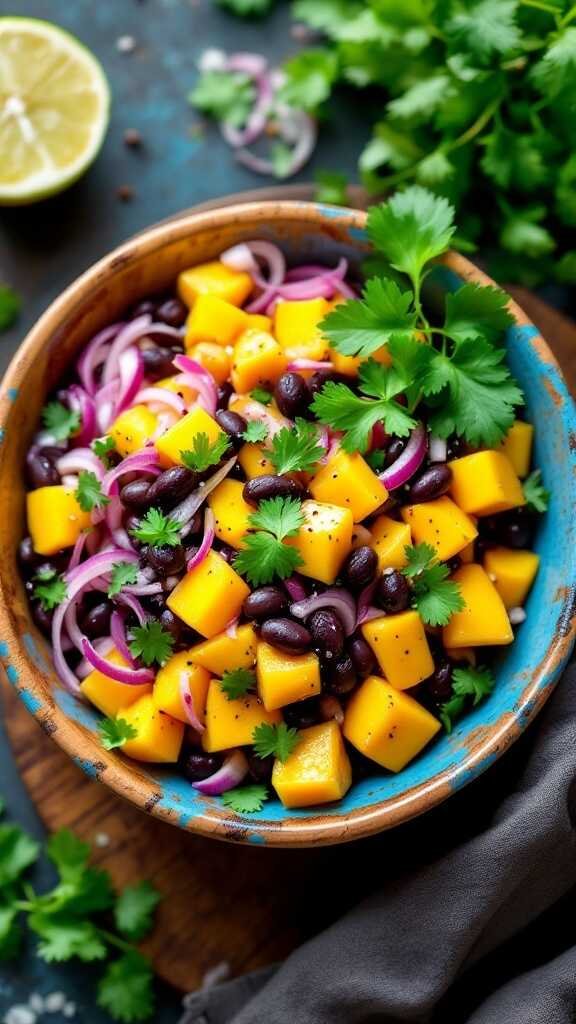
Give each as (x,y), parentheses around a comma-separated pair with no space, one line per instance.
(172,312)
(439,685)
(320,377)
(42,618)
(362,655)
(292,395)
(394,451)
(26,554)
(327,634)
(135,494)
(360,567)
(147,306)
(171,487)
(265,603)
(197,765)
(302,714)
(225,392)
(456,447)
(96,622)
(341,676)
(41,469)
(393,592)
(236,473)
(158,362)
(171,623)
(260,767)
(287,635)
(269,486)
(432,483)
(165,559)
(233,424)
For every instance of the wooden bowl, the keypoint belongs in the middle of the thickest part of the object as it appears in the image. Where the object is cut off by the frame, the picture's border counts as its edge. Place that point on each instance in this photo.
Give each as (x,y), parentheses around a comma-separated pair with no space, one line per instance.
(527,672)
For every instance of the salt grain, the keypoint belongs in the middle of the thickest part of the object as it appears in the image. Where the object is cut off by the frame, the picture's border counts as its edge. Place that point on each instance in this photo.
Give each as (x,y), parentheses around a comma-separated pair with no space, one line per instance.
(125,44)
(102,839)
(36,1002)
(54,1002)
(69,1010)
(20,1014)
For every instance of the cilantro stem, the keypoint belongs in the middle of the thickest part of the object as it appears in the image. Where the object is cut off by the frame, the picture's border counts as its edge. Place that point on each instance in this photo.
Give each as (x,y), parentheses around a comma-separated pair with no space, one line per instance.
(568,17)
(114,940)
(539,5)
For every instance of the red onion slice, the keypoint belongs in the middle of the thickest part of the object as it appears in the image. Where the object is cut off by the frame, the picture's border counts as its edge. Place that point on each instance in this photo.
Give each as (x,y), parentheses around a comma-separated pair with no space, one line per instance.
(118,634)
(131,366)
(308,270)
(129,334)
(310,364)
(257,118)
(186,509)
(144,461)
(94,354)
(207,541)
(364,602)
(131,601)
(187,701)
(251,64)
(83,403)
(128,676)
(230,774)
(197,378)
(77,550)
(163,396)
(275,263)
(231,628)
(438,448)
(334,597)
(408,462)
(296,589)
(78,460)
(239,257)
(104,644)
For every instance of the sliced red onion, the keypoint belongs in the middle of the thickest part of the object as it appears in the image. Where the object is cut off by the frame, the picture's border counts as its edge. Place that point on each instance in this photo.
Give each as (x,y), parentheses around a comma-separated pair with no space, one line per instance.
(83,403)
(106,404)
(364,602)
(131,601)
(516,615)
(163,396)
(231,628)
(94,354)
(131,365)
(296,589)
(128,676)
(129,334)
(323,287)
(104,644)
(207,541)
(113,514)
(196,377)
(438,448)
(336,598)
(96,566)
(230,774)
(274,259)
(71,622)
(187,701)
(295,126)
(78,460)
(144,461)
(360,533)
(142,589)
(371,612)
(310,364)
(186,509)
(251,64)
(257,118)
(118,633)
(77,550)
(408,462)
(239,257)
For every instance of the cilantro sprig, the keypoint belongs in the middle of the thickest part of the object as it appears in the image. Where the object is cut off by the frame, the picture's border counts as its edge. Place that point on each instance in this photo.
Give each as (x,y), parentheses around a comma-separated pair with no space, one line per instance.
(469,686)
(114,732)
(265,555)
(60,421)
(536,495)
(434,596)
(151,643)
(255,432)
(103,448)
(89,491)
(205,453)
(157,529)
(237,682)
(261,395)
(275,740)
(246,799)
(50,589)
(226,95)
(296,449)
(123,574)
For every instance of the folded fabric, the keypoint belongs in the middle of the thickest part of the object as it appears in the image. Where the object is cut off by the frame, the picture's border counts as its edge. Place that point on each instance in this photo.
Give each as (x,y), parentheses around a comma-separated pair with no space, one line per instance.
(437,943)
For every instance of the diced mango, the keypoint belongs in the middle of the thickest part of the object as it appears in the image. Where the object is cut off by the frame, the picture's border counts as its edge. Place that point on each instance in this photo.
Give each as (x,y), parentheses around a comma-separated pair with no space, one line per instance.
(214,278)
(209,595)
(257,360)
(401,648)
(166,692)
(231,512)
(296,328)
(347,365)
(254,460)
(55,519)
(517,446)
(260,322)
(323,540)
(485,483)
(213,358)
(224,653)
(389,540)
(483,620)
(159,736)
(512,572)
(285,678)
(317,771)
(348,481)
(108,695)
(132,429)
(188,395)
(467,553)
(231,723)
(386,725)
(214,319)
(180,437)
(441,524)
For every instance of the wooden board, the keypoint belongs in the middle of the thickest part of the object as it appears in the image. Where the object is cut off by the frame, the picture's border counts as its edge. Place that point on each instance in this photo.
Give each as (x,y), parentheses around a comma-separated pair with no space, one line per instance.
(222,903)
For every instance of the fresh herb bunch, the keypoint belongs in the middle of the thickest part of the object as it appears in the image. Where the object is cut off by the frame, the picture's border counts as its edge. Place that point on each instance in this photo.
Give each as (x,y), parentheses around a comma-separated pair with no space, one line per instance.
(455,368)
(151,643)
(275,740)
(75,919)
(205,453)
(50,589)
(469,686)
(115,732)
(265,555)
(434,596)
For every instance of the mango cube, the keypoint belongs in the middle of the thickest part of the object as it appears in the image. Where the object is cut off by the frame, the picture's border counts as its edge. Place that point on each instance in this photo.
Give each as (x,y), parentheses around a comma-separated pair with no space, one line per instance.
(213,358)
(517,447)
(323,541)
(512,572)
(180,437)
(296,328)
(224,653)
(214,319)
(231,723)
(159,737)
(209,596)
(285,678)
(132,429)
(259,321)
(188,395)
(317,771)
(257,360)
(389,540)
(386,725)
(348,365)
(230,512)
(401,648)
(166,692)
(106,694)
(55,519)
(254,460)
(348,481)
(440,523)
(217,279)
(483,621)
(485,483)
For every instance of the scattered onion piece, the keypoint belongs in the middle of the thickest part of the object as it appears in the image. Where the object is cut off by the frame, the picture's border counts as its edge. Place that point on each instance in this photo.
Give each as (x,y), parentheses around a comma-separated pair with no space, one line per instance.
(407,462)
(118,634)
(128,676)
(162,396)
(340,600)
(94,354)
(78,460)
(207,541)
(186,509)
(365,602)
(144,461)
(231,629)
(230,774)
(187,701)
(296,589)
(438,448)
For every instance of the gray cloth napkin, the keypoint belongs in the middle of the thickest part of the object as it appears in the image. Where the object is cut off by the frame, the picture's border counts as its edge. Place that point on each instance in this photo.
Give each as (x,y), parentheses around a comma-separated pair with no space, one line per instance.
(474,931)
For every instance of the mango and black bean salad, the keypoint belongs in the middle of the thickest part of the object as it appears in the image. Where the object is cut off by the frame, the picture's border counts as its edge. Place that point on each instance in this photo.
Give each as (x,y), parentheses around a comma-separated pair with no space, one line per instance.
(280,519)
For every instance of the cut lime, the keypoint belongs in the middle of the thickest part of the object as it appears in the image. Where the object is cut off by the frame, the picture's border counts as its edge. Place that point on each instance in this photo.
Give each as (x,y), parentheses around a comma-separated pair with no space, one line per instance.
(54,107)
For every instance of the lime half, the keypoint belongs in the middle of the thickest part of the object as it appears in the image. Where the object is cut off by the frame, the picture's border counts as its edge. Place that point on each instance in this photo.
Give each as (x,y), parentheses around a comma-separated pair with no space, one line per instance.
(54,108)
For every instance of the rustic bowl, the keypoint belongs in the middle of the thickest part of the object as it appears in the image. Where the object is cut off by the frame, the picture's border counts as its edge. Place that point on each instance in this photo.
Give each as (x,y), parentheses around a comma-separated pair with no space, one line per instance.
(527,671)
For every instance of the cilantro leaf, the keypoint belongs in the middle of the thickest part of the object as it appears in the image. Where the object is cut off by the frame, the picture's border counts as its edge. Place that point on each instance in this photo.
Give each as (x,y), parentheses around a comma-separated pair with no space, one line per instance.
(205,453)
(157,529)
(418,558)
(265,555)
(68,853)
(60,421)
(245,799)
(275,740)
(435,597)
(468,682)
(296,449)
(331,188)
(376,459)
(103,448)
(556,71)
(50,591)
(10,306)
(63,938)
(227,96)
(125,989)
(309,77)
(237,682)
(17,852)
(536,495)
(450,710)
(123,573)
(151,643)
(411,228)
(361,326)
(422,98)
(11,933)
(89,491)
(474,311)
(281,156)
(338,407)
(255,432)
(134,908)
(261,395)
(114,732)
(280,516)
(484,29)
